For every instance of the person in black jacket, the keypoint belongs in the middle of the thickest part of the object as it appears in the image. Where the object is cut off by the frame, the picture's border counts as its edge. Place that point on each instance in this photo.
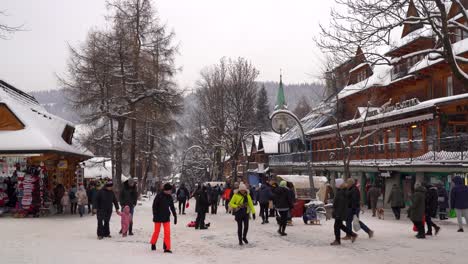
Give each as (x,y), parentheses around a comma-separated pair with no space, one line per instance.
(163,205)
(432,196)
(443,200)
(129,196)
(354,197)
(283,203)
(340,212)
(265,195)
(105,198)
(182,196)
(201,207)
(214,196)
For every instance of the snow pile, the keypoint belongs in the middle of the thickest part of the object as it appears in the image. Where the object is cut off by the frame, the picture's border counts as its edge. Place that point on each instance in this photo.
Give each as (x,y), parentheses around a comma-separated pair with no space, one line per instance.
(381,77)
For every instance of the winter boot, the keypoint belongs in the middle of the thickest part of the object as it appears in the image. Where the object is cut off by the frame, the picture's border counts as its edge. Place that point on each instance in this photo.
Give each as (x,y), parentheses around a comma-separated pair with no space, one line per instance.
(371,234)
(346,238)
(168,251)
(437,230)
(153,247)
(245,240)
(460,230)
(353,238)
(130,229)
(335,243)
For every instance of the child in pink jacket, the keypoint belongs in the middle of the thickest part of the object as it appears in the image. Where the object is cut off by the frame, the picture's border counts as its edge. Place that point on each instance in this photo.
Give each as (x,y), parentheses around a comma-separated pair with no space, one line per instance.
(125,219)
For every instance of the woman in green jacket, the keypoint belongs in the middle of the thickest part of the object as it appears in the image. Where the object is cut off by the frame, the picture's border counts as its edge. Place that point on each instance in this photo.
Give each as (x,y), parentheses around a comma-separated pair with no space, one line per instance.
(242,205)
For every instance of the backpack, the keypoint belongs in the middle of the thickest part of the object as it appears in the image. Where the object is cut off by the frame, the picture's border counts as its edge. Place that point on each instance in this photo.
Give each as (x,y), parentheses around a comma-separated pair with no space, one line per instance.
(72,195)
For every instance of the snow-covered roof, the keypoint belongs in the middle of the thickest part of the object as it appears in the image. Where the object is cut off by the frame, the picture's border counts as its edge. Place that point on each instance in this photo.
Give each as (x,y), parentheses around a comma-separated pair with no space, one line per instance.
(381,77)
(420,106)
(424,32)
(459,48)
(42,131)
(359,66)
(270,142)
(318,116)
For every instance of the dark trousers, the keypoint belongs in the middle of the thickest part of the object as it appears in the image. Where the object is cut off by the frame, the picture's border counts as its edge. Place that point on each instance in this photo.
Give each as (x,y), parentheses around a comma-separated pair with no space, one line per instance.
(182,204)
(430,224)
(103,226)
(338,226)
(73,207)
(264,211)
(283,220)
(226,205)
(442,213)
(59,208)
(420,226)
(200,222)
(214,207)
(89,207)
(396,212)
(349,221)
(242,226)
(81,210)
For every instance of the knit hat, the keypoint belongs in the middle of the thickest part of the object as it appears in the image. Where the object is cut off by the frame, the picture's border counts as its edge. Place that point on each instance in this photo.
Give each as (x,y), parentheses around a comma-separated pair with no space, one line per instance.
(167,187)
(283,184)
(109,184)
(242,187)
(339,182)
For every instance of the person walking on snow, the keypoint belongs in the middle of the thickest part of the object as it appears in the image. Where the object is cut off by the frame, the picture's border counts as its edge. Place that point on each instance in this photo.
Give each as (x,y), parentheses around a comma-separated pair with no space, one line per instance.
(105,198)
(125,220)
(443,201)
(163,205)
(242,205)
(432,196)
(373,195)
(73,199)
(182,196)
(283,203)
(264,196)
(82,200)
(340,213)
(417,209)
(129,197)
(201,207)
(354,208)
(397,201)
(459,201)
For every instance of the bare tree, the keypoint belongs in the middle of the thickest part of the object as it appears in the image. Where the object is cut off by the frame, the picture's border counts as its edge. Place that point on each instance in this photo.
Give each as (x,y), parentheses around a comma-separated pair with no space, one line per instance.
(369,23)
(6,29)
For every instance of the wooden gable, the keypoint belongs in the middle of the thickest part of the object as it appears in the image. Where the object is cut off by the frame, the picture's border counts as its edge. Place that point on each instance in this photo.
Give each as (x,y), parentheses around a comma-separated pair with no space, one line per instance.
(455,8)
(8,120)
(412,12)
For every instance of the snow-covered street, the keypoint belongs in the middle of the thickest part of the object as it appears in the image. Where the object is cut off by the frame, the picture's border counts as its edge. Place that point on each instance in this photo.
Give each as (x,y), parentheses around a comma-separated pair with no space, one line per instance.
(71,239)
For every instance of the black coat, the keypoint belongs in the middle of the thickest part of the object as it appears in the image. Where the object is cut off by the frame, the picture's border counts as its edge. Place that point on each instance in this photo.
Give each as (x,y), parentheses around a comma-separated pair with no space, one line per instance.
(202,202)
(443,198)
(354,197)
(128,195)
(183,194)
(163,205)
(341,204)
(432,196)
(417,208)
(264,194)
(282,198)
(104,201)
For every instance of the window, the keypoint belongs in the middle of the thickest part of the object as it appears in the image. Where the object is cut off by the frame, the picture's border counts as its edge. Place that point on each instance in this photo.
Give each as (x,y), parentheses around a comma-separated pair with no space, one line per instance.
(370,146)
(380,140)
(449,85)
(391,140)
(361,75)
(403,139)
(417,137)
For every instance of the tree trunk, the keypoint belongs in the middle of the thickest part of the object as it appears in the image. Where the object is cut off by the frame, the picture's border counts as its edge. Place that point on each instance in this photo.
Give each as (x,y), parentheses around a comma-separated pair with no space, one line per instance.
(119,154)
(133,143)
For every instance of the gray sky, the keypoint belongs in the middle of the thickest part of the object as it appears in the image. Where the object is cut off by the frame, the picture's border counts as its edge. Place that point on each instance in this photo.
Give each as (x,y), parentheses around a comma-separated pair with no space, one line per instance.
(273,34)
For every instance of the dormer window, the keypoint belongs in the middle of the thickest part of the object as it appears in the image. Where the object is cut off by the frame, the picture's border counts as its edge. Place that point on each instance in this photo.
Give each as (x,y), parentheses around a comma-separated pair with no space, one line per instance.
(8,120)
(67,134)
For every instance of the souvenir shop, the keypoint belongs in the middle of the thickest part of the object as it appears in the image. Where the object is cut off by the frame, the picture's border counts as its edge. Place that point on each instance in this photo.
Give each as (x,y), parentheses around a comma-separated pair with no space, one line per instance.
(27,182)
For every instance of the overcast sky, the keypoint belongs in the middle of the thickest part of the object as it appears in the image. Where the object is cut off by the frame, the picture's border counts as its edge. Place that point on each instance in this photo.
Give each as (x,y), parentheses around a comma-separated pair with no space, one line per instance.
(273,34)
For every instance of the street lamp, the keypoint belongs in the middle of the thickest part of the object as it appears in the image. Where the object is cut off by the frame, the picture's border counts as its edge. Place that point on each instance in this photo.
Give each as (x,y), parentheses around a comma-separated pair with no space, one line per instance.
(282,121)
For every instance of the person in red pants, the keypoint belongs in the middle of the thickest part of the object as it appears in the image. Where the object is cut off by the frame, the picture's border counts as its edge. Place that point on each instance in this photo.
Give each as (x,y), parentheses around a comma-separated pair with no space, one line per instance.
(163,205)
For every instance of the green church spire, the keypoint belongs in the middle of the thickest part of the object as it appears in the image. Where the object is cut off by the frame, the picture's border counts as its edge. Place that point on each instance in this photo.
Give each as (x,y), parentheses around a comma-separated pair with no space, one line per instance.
(280,98)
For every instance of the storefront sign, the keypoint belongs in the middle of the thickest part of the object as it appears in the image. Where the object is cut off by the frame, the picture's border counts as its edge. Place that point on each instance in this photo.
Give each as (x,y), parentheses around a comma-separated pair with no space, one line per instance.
(397,106)
(385,174)
(62,164)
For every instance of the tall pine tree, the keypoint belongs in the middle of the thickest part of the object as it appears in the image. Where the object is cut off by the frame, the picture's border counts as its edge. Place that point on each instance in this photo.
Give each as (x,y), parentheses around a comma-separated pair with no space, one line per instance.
(263,110)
